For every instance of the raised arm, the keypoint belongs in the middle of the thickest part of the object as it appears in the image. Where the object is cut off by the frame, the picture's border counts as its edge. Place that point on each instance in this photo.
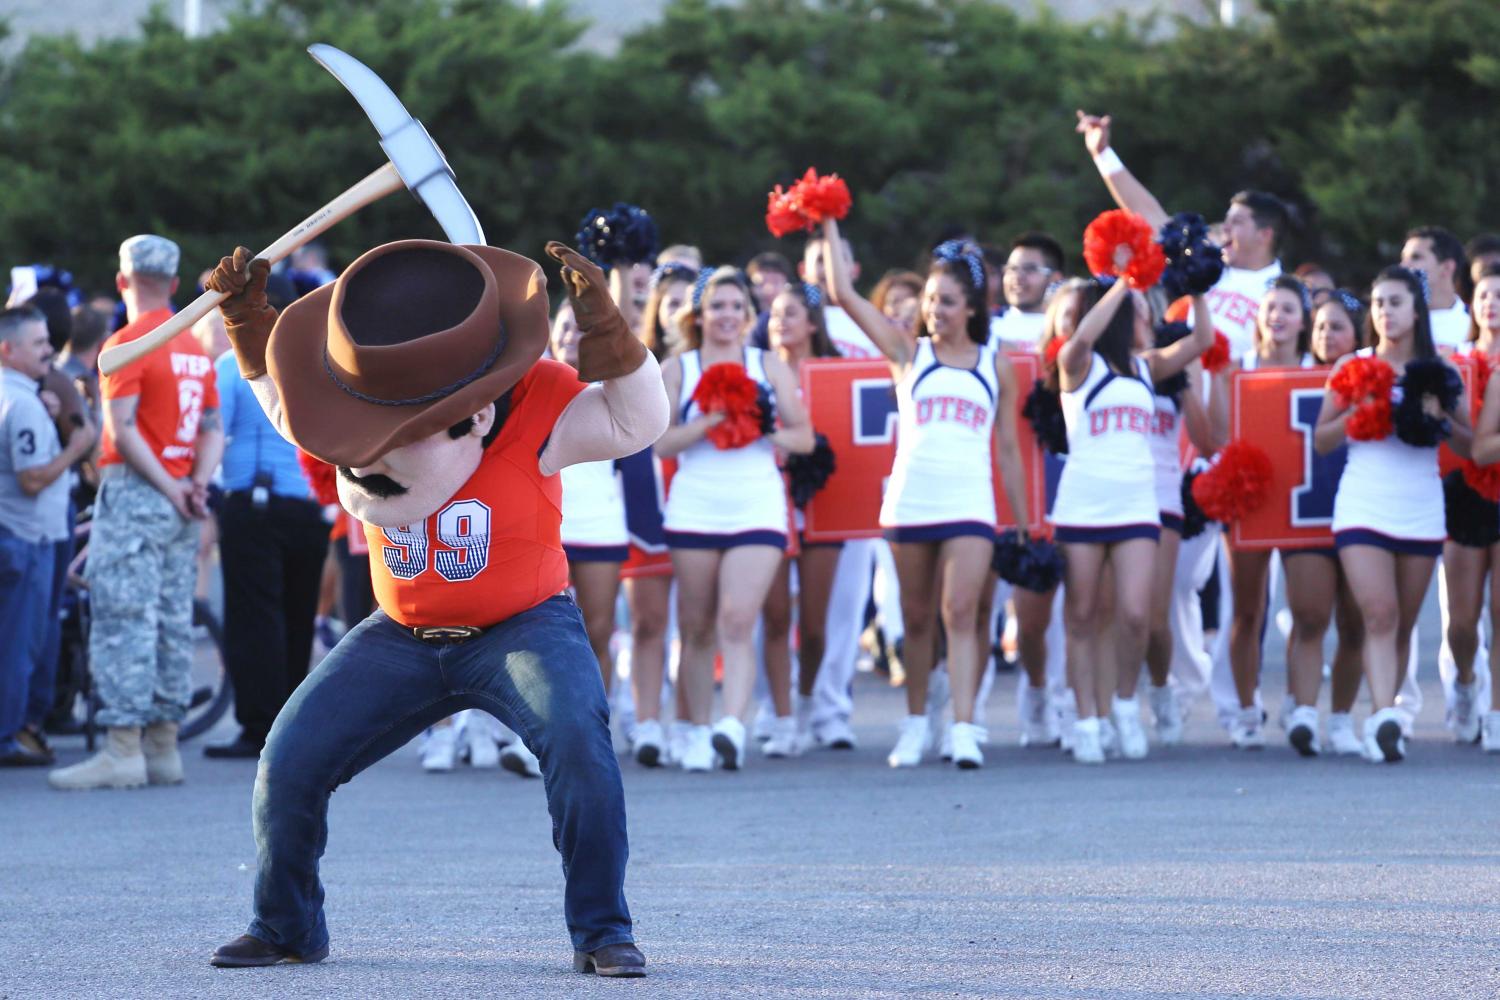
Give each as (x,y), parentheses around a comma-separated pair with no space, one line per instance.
(1173,358)
(1195,415)
(248,320)
(1076,355)
(609,419)
(1129,193)
(891,341)
(1008,445)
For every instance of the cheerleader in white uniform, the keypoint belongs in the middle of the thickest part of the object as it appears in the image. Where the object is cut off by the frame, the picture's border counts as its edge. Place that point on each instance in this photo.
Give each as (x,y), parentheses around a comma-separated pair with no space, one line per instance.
(1106,516)
(1388,514)
(955,394)
(726,516)
(593,530)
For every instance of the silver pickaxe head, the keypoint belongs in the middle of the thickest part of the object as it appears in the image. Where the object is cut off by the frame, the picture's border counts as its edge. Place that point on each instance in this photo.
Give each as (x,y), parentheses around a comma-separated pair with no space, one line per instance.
(406,143)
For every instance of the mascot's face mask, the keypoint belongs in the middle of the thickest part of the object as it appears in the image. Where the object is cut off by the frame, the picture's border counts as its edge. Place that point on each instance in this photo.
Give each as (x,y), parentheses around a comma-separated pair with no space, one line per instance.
(407,484)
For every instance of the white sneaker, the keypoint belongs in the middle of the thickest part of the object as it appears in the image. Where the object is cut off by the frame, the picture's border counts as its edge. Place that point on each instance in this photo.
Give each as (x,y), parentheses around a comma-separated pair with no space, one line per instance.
(1126,716)
(804,713)
(679,733)
(518,759)
(1166,715)
(698,749)
(1038,724)
(911,742)
(1067,720)
(1109,737)
(647,746)
(729,742)
(1088,746)
(835,734)
(765,721)
(1302,730)
(1384,741)
(440,749)
(783,741)
(943,738)
(1489,737)
(966,738)
(1341,735)
(1464,718)
(479,744)
(1249,730)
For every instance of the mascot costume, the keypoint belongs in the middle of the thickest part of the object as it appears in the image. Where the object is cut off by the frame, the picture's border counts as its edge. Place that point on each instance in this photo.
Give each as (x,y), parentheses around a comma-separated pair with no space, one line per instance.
(417,373)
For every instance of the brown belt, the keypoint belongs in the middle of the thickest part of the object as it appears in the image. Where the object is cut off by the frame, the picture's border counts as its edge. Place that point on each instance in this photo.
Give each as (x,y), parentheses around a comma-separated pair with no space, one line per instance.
(447,635)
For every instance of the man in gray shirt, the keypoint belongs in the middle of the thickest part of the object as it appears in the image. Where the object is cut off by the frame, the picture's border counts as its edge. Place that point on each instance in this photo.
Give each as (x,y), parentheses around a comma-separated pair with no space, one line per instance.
(33,512)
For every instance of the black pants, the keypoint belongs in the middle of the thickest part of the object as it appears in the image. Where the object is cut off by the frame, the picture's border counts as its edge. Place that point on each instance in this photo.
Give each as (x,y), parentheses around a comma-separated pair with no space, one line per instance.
(273,563)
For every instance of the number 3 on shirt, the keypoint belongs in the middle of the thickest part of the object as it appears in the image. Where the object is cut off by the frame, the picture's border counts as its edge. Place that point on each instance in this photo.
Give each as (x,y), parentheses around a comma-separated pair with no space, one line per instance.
(463,529)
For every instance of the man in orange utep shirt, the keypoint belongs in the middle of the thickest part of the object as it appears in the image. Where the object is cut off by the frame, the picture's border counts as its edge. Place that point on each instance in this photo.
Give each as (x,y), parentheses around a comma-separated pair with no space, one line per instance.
(162,442)
(417,375)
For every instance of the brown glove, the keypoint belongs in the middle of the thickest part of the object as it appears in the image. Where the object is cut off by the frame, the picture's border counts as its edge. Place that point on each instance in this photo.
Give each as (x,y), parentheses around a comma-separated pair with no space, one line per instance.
(606,347)
(248,317)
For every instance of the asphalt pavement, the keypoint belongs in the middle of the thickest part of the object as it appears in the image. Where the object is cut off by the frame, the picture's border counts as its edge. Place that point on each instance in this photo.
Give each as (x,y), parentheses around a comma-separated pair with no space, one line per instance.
(1200,872)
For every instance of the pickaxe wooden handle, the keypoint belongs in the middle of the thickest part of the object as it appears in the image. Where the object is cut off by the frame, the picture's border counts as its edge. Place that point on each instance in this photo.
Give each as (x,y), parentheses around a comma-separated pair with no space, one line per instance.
(377,185)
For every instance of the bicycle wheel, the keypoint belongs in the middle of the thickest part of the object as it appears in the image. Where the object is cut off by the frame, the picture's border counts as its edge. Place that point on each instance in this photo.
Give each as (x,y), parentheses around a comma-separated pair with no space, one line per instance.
(214,693)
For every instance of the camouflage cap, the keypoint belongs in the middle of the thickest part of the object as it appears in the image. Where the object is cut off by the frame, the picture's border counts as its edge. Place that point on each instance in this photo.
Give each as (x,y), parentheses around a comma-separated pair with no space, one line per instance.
(147,254)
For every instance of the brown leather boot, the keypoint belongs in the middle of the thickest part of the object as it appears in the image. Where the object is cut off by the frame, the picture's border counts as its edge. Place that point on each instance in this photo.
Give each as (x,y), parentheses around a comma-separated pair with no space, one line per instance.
(246,952)
(619,961)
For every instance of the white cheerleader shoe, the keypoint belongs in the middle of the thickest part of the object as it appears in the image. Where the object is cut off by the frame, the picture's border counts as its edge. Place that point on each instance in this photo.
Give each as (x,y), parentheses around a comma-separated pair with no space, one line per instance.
(910,743)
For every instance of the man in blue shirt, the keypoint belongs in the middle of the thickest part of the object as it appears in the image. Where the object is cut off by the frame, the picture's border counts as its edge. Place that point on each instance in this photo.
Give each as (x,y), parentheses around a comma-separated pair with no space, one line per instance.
(272,543)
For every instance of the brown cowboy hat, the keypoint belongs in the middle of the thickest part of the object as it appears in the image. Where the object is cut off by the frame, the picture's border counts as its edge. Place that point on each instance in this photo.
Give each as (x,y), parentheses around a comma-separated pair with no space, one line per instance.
(412,338)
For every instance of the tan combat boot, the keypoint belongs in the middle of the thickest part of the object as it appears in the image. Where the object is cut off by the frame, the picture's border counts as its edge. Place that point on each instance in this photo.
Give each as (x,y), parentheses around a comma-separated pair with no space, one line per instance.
(163,762)
(119,765)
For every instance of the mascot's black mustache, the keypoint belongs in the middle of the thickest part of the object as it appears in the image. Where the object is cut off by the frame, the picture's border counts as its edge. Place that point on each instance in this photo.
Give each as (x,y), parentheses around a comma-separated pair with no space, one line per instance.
(375,483)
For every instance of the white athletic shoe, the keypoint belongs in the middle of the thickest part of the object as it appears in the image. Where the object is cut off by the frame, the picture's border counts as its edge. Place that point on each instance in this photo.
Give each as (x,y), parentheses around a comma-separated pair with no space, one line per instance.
(1341,736)
(1249,729)
(679,734)
(966,739)
(1109,737)
(1126,717)
(440,749)
(804,713)
(765,721)
(1088,746)
(783,741)
(517,758)
(835,734)
(1038,724)
(1464,718)
(1384,741)
(1166,714)
(1067,720)
(479,741)
(647,746)
(697,749)
(729,743)
(944,742)
(1490,735)
(1302,730)
(911,742)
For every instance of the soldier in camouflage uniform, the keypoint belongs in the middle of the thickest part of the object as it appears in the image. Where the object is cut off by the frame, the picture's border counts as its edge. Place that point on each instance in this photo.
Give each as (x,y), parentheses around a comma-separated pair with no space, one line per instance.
(162,442)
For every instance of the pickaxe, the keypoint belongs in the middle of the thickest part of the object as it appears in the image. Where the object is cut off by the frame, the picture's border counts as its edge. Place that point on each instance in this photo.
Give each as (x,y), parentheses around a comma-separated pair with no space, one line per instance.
(414,162)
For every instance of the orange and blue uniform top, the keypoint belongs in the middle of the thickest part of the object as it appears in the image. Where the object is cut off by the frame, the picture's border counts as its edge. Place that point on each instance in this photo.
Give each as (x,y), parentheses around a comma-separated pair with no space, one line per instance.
(495,548)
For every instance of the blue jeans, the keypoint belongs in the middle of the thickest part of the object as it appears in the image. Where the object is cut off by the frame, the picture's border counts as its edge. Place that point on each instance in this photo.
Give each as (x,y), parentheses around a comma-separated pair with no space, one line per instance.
(44,678)
(377,690)
(25,584)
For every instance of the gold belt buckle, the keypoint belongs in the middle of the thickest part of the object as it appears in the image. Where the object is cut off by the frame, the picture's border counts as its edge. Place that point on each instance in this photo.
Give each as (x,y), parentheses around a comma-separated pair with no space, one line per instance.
(441,635)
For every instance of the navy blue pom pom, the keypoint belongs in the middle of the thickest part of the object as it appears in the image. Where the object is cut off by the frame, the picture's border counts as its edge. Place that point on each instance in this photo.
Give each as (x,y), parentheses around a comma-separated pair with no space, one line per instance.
(809,473)
(1194,262)
(1043,410)
(624,234)
(1035,564)
(1426,377)
(1193,518)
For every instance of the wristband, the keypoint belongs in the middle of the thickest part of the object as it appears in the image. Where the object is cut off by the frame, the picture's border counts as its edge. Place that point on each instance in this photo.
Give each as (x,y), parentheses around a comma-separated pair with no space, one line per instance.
(1109,162)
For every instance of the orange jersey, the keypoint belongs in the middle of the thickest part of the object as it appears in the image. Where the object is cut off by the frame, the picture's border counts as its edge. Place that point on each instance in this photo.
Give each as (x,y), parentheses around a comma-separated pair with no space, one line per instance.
(175,384)
(495,548)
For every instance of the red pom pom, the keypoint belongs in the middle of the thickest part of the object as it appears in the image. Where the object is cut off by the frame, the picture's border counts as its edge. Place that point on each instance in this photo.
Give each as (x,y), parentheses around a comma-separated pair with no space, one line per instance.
(1482,479)
(1053,349)
(1365,384)
(1216,358)
(321,476)
(1237,484)
(726,388)
(1116,228)
(807,203)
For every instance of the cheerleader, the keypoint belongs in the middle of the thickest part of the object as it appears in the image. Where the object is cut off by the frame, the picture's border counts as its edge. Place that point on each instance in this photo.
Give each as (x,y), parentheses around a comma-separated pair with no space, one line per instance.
(797,333)
(647,575)
(1472,552)
(1388,514)
(954,396)
(593,528)
(726,516)
(1106,514)
(1177,405)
